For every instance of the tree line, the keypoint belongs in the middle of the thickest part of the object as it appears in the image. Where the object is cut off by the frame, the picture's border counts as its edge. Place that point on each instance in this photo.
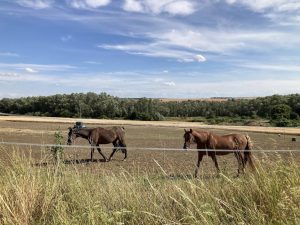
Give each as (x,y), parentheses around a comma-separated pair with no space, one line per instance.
(281,110)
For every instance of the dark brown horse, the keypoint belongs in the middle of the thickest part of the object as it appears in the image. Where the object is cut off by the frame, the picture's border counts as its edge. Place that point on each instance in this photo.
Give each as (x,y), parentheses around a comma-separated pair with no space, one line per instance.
(231,143)
(99,135)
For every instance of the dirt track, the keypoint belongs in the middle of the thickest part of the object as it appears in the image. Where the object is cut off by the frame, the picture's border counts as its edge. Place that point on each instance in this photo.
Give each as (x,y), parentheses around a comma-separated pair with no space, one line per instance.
(271,130)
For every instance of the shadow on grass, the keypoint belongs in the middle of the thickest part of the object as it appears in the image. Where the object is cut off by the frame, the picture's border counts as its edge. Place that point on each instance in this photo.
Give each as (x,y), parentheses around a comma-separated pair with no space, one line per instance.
(72,162)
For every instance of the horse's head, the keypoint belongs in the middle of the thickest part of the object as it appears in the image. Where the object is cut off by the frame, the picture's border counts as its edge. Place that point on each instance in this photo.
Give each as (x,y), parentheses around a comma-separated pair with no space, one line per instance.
(71,135)
(188,138)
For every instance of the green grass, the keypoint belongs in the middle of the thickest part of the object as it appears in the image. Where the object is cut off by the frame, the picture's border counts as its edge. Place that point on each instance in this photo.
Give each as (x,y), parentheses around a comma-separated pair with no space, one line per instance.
(65,194)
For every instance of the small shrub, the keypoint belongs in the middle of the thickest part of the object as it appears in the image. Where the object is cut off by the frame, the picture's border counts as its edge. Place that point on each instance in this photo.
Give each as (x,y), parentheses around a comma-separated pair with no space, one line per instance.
(282,122)
(57,151)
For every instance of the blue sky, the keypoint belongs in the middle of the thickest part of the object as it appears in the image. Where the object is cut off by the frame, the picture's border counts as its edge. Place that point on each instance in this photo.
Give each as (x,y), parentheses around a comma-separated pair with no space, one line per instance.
(150,48)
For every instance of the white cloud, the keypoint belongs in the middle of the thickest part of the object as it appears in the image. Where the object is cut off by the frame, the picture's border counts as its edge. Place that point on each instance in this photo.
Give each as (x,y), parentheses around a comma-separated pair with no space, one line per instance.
(284,12)
(36,4)
(271,67)
(173,7)
(260,5)
(223,41)
(133,6)
(131,85)
(7,75)
(12,77)
(86,4)
(35,67)
(30,70)
(191,44)
(200,58)
(185,60)
(66,38)
(170,83)
(240,88)
(157,50)
(92,62)
(180,8)
(9,54)
(175,84)
(289,6)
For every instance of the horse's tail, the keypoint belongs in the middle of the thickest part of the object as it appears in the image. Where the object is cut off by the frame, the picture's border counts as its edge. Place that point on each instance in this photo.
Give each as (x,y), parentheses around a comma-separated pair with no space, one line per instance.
(121,137)
(122,144)
(248,154)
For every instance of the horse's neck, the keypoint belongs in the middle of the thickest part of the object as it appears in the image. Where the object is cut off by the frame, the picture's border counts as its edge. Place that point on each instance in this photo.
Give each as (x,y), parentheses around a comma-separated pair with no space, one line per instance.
(201,136)
(83,133)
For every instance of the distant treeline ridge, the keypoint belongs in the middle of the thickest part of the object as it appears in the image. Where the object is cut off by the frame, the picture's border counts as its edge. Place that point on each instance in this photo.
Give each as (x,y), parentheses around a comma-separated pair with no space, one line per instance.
(283,110)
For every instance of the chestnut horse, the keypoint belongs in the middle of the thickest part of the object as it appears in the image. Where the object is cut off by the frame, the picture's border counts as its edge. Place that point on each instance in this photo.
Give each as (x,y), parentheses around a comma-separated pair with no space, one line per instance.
(231,143)
(99,135)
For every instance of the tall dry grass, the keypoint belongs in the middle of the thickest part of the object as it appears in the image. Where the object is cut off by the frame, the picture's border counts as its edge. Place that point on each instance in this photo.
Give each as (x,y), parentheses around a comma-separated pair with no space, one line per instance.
(64,194)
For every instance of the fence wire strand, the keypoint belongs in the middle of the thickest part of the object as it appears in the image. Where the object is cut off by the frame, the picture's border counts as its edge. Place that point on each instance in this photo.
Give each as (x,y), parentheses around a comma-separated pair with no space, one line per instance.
(145,148)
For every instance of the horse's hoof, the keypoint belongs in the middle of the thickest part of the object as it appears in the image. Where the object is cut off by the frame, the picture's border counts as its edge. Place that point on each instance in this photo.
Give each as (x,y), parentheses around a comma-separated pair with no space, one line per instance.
(124,160)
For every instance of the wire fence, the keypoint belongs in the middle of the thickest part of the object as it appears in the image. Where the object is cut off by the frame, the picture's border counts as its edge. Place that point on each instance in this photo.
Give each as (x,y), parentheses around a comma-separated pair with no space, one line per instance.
(144,148)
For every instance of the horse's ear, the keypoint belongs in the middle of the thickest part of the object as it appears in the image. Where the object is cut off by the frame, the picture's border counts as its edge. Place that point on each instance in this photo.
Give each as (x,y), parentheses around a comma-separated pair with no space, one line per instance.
(185,130)
(191,130)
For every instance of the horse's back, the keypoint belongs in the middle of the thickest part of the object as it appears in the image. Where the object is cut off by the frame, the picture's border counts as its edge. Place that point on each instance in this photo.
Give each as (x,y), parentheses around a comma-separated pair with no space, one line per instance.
(229,141)
(102,135)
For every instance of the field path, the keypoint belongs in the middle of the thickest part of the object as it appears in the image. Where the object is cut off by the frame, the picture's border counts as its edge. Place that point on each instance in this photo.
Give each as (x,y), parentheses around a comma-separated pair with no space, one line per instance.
(276,130)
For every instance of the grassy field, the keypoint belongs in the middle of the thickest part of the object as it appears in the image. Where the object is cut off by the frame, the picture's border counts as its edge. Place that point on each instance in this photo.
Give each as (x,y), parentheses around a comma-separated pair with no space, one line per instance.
(151,187)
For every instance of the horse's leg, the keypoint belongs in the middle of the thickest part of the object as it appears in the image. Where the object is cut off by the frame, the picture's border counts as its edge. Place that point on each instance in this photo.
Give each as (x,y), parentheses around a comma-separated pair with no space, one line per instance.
(214,158)
(245,158)
(124,150)
(124,147)
(115,148)
(92,152)
(99,150)
(242,161)
(92,148)
(241,164)
(200,156)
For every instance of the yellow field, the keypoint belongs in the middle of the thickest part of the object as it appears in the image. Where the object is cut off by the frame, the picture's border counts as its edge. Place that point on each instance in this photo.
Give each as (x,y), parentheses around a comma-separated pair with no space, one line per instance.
(271,130)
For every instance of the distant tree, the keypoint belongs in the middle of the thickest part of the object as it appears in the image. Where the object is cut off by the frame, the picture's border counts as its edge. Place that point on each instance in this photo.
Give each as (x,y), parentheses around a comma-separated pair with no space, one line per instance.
(280,111)
(278,108)
(294,116)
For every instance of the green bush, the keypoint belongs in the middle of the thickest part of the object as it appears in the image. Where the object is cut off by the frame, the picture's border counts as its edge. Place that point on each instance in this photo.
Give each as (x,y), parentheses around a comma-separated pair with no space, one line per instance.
(280,111)
(146,116)
(282,122)
(57,151)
